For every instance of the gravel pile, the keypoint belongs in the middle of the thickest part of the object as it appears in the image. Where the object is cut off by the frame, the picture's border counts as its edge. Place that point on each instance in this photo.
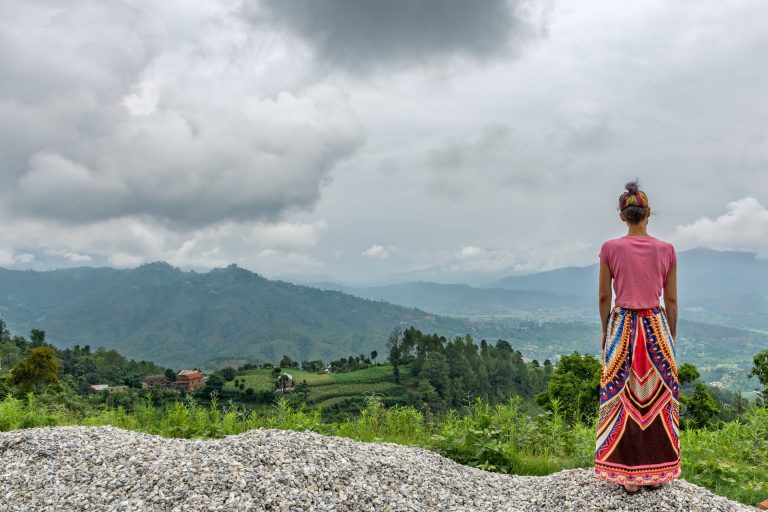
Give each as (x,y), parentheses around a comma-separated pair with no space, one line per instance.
(104,468)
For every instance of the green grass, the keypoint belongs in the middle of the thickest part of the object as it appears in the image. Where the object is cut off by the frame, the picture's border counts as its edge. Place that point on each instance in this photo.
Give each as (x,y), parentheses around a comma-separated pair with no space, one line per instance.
(320,393)
(264,379)
(16,414)
(372,374)
(732,460)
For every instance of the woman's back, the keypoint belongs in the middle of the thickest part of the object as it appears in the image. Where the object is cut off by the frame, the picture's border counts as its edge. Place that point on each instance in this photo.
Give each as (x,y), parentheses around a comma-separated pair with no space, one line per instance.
(637,438)
(639,267)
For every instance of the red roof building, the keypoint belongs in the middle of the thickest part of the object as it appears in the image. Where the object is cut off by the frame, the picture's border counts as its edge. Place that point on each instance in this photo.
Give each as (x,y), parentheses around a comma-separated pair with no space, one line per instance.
(189,380)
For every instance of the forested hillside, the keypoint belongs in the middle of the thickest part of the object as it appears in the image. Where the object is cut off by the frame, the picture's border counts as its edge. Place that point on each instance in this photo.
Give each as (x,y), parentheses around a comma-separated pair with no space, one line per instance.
(177,318)
(233,316)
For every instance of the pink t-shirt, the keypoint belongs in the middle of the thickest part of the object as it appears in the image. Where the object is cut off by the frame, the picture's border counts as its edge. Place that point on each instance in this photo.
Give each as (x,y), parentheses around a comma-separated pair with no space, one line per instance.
(639,267)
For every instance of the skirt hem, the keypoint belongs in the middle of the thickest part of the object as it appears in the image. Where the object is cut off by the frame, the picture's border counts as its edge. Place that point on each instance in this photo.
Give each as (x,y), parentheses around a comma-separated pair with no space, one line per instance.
(621,478)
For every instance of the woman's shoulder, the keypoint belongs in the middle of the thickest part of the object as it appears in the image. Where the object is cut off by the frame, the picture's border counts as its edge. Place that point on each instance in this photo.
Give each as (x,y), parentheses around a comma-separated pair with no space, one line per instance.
(613,242)
(608,247)
(629,243)
(664,244)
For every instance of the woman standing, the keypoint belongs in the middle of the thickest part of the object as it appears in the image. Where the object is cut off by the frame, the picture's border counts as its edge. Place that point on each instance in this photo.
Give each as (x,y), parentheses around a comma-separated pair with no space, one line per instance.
(637,433)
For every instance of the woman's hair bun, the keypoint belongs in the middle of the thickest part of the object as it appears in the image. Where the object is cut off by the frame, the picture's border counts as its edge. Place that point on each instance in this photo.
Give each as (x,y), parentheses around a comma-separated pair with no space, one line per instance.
(632,187)
(633,203)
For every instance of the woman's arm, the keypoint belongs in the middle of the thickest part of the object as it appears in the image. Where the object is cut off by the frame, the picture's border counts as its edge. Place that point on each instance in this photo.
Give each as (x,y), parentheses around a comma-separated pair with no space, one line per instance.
(670,300)
(604,297)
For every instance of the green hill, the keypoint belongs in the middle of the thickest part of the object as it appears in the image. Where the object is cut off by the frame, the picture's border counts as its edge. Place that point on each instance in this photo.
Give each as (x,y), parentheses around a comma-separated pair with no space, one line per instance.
(177,318)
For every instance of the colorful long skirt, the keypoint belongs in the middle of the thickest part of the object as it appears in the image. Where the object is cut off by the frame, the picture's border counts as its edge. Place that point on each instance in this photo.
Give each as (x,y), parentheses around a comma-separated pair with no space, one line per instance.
(638,428)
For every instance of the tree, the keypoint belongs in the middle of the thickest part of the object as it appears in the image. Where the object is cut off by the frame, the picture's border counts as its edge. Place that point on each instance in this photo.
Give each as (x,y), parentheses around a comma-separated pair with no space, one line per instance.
(435,371)
(317,365)
(393,346)
(548,369)
(739,405)
(760,370)
(20,342)
(132,380)
(701,409)
(427,394)
(374,355)
(575,383)
(287,362)
(10,354)
(214,384)
(5,334)
(228,373)
(40,368)
(37,337)
(170,374)
(687,373)
(302,391)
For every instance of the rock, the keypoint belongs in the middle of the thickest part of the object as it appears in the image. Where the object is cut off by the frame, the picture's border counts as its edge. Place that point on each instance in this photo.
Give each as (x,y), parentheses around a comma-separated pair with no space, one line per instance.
(104,468)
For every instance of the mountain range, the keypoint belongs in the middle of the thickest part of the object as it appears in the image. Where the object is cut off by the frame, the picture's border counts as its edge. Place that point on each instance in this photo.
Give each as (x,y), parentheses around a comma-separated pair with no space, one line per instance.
(702,274)
(232,315)
(725,288)
(177,318)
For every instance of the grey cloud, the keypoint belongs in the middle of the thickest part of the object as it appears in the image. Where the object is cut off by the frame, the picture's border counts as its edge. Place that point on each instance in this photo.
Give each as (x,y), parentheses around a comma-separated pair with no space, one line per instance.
(497,156)
(130,241)
(360,35)
(107,111)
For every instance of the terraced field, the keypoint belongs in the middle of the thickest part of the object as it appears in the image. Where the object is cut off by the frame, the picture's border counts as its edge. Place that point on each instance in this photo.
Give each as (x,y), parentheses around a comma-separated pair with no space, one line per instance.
(327,389)
(264,379)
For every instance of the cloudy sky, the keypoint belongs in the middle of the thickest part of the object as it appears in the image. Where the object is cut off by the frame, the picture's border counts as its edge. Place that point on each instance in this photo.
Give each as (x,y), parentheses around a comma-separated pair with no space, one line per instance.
(375,140)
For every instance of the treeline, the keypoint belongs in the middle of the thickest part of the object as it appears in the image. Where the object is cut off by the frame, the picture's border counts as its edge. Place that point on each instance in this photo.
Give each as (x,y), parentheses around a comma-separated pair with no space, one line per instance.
(341,365)
(32,365)
(453,373)
(435,373)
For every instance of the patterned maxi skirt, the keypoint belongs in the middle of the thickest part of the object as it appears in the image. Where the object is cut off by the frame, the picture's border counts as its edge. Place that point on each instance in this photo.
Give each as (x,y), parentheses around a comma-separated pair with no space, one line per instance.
(638,427)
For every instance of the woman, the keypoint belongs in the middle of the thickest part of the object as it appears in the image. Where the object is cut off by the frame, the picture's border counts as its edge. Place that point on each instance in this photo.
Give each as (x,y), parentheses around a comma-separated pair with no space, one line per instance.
(637,433)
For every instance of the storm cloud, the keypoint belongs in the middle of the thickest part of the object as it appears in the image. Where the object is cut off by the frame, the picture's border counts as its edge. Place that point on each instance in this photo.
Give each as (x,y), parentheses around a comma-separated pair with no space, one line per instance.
(361,35)
(110,110)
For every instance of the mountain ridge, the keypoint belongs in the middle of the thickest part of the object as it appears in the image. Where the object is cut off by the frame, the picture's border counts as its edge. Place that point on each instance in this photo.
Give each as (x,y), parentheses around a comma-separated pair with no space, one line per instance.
(174,317)
(230,314)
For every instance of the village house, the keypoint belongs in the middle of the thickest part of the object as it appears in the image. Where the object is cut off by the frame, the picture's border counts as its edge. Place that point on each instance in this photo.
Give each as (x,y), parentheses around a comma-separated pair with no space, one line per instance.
(154,381)
(110,389)
(284,382)
(189,380)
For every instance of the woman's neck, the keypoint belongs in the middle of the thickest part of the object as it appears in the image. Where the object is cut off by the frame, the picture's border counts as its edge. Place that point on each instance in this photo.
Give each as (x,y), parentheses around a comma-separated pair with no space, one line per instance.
(637,230)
